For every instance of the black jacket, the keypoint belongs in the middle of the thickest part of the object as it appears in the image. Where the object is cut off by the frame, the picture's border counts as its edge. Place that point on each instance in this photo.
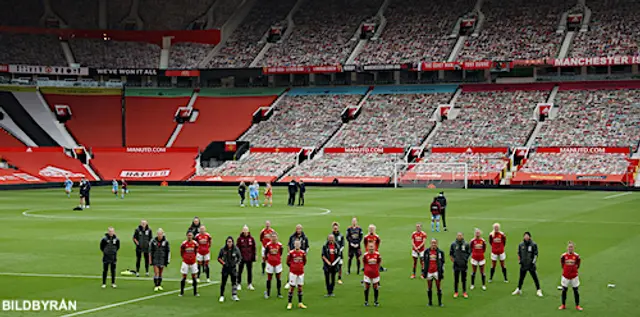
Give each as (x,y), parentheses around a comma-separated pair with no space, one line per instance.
(440,260)
(528,254)
(339,239)
(354,237)
(195,229)
(242,190)
(143,236)
(293,187)
(109,247)
(230,257)
(85,188)
(159,251)
(304,242)
(442,200)
(460,252)
(302,187)
(326,254)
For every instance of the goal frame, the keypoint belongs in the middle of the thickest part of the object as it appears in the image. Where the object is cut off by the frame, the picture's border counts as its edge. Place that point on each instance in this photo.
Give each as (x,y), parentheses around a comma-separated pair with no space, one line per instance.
(398,165)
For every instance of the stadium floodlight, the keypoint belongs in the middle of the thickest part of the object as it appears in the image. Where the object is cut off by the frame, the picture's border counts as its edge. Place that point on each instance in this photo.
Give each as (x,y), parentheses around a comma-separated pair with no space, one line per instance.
(447,175)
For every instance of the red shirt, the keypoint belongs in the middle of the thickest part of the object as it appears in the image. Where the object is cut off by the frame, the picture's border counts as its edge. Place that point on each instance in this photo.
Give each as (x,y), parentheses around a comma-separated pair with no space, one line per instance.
(570,265)
(498,241)
(274,253)
(188,251)
(372,238)
(204,243)
(296,261)
(263,236)
(478,246)
(435,208)
(372,264)
(333,252)
(418,238)
(268,191)
(433,261)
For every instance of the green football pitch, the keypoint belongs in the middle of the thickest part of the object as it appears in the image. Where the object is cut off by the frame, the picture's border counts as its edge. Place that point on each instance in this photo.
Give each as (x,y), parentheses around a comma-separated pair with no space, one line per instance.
(49,252)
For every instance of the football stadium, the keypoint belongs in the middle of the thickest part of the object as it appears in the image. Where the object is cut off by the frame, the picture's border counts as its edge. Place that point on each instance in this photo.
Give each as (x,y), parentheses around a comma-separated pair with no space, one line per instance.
(314,158)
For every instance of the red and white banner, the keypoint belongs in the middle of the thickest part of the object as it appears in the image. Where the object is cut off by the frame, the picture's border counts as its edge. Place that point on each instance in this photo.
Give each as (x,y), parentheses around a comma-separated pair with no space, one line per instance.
(48,70)
(12,177)
(182,73)
(275,70)
(594,61)
(145,174)
(444,110)
(537,177)
(50,164)
(585,150)
(145,163)
(4,68)
(544,108)
(449,176)
(275,149)
(469,150)
(234,179)
(468,65)
(146,150)
(365,150)
(374,180)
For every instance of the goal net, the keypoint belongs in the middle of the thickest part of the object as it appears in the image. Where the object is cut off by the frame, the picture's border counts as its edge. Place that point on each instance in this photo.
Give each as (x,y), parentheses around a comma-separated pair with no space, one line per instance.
(431,175)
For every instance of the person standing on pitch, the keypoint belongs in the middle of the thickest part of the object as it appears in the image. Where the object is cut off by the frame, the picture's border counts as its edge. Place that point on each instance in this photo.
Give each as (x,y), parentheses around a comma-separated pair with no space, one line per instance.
(498,242)
(142,237)
(478,248)
(242,192)
(459,253)
(434,270)
(304,241)
(229,257)
(296,261)
(188,251)
(527,257)
(293,188)
(159,254)
(273,256)
(436,210)
(265,238)
(570,262)
(443,209)
(247,245)
(109,245)
(354,237)
(303,189)
(372,262)
(340,242)
(330,262)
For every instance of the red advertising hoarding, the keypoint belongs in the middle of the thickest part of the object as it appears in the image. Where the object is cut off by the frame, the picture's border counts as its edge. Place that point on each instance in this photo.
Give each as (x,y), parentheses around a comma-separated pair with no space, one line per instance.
(234,179)
(276,70)
(365,150)
(481,149)
(275,149)
(182,73)
(585,178)
(449,176)
(374,180)
(585,150)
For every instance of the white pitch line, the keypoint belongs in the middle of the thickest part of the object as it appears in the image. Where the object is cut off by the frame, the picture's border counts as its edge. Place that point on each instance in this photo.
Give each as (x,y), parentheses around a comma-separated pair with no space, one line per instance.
(20,274)
(618,195)
(131,301)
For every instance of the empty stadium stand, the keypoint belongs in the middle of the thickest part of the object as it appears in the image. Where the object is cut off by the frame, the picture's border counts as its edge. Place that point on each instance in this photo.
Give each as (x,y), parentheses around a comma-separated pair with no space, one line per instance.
(145,163)
(48,163)
(23,120)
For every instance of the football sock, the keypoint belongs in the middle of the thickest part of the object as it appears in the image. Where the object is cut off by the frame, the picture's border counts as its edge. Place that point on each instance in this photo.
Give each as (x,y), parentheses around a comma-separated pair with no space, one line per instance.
(439,297)
(349,267)
(200,269)
(290,297)
(358,264)
(366,294)
(155,280)
(493,271)
(484,278)
(182,283)
(430,294)
(415,261)
(299,296)
(206,270)
(160,281)
(576,295)
(195,285)
(279,285)
(268,287)
(473,278)
(263,266)
(564,295)
(375,295)
(504,273)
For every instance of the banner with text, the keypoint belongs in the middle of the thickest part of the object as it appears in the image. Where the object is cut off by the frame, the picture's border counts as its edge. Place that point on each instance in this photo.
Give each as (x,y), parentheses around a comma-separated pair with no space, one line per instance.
(48,70)
(469,150)
(276,70)
(350,180)
(538,177)
(234,179)
(365,150)
(449,176)
(594,61)
(126,71)
(275,149)
(585,150)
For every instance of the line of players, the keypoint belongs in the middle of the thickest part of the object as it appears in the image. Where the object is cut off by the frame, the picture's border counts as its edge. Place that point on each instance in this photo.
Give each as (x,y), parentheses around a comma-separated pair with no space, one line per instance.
(254,193)
(195,253)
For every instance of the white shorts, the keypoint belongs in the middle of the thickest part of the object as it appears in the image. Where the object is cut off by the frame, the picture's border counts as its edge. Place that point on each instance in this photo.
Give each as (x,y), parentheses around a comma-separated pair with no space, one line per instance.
(296,280)
(433,276)
(574,282)
(416,254)
(435,217)
(262,252)
(478,263)
(186,268)
(270,269)
(369,280)
(495,257)
(202,258)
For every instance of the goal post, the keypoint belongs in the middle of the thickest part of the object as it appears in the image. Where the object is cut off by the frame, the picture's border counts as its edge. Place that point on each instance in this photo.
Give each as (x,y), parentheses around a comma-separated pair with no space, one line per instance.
(431,175)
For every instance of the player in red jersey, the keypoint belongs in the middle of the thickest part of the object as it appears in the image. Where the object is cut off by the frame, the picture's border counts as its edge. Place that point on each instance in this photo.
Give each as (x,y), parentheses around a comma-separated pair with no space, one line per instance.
(434,270)
(478,247)
(204,252)
(188,250)
(418,240)
(372,237)
(268,195)
(273,257)
(265,238)
(372,264)
(570,262)
(498,241)
(296,260)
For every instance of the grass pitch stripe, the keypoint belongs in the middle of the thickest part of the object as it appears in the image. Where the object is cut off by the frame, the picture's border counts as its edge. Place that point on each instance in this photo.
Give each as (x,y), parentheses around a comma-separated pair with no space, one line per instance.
(131,301)
(618,195)
(132,278)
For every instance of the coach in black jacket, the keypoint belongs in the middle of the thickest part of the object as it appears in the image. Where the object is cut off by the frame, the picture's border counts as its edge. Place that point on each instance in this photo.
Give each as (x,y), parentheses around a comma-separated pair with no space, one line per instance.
(229,256)
(293,189)
(303,189)
(109,245)
(142,237)
(299,235)
(159,255)
(527,257)
(434,254)
(443,210)
(331,257)
(459,253)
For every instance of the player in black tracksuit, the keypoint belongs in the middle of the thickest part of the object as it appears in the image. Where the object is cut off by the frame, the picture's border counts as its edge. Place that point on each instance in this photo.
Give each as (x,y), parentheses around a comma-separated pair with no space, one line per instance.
(354,237)
(527,257)
(142,237)
(229,256)
(331,257)
(303,189)
(459,253)
(195,226)
(159,254)
(443,209)
(109,245)
(340,242)
(293,188)
(242,192)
